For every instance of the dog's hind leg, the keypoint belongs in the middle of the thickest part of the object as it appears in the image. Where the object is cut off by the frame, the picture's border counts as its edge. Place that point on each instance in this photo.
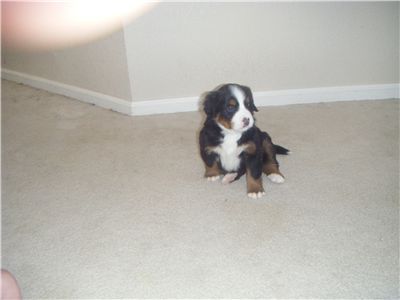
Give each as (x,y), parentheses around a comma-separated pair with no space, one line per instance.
(270,164)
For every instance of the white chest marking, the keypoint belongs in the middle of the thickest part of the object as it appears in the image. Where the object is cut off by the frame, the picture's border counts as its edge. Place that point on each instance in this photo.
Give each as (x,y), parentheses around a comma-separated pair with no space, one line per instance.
(229,151)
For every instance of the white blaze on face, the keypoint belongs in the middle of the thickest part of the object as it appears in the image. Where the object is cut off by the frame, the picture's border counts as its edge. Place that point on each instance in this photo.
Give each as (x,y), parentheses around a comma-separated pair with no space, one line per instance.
(243,113)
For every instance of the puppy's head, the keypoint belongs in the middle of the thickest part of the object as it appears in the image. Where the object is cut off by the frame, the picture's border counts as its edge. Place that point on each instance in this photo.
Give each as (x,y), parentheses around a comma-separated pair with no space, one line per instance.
(231,106)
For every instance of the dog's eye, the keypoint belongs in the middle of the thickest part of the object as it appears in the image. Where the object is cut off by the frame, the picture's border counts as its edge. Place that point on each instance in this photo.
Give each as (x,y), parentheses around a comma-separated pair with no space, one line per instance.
(231,108)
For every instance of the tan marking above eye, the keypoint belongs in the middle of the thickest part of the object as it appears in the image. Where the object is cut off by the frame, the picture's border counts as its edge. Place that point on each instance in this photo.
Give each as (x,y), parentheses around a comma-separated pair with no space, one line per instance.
(232,103)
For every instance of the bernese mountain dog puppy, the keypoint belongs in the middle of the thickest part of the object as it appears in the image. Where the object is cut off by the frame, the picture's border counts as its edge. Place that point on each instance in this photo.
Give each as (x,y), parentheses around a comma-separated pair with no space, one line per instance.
(230,143)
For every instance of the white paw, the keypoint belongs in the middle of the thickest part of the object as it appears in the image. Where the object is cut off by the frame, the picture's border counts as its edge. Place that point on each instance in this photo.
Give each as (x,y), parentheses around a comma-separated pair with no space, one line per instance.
(228,178)
(256,195)
(213,178)
(276,178)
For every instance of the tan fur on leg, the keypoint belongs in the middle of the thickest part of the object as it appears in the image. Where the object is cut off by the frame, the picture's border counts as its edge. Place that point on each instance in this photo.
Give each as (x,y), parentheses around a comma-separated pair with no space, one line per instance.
(254,186)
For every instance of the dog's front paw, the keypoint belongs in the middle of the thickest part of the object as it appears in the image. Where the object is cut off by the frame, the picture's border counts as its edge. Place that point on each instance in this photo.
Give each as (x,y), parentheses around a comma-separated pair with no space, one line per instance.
(212,178)
(276,178)
(228,178)
(256,195)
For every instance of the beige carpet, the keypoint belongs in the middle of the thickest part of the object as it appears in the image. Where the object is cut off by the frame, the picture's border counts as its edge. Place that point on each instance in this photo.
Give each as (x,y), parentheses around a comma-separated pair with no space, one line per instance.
(96,204)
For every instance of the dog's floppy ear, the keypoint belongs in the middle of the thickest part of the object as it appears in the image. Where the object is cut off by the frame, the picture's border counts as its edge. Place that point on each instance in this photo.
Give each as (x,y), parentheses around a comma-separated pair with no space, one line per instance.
(210,103)
(249,95)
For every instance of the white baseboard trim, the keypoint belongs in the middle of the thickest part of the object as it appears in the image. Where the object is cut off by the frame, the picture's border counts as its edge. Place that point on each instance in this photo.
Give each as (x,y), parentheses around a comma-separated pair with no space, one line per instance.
(72,91)
(165,106)
(174,105)
(328,94)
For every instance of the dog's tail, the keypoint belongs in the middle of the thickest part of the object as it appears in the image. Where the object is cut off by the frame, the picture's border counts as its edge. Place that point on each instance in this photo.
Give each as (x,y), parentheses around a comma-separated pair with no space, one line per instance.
(281,150)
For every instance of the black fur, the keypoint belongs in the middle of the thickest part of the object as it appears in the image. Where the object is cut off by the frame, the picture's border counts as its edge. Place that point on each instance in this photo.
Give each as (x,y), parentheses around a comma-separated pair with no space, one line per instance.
(281,150)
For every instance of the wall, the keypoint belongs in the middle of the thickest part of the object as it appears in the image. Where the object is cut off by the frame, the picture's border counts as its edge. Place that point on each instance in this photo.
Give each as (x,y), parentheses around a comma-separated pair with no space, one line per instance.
(179,50)
(100,66)
(182,49)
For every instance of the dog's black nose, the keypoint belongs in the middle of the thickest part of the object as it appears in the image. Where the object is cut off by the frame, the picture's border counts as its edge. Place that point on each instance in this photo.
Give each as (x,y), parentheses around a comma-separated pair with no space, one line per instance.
(246,121)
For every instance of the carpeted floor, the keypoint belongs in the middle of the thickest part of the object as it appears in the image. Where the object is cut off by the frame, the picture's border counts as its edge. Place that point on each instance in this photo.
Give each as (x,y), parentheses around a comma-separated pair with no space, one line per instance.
(96,204)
